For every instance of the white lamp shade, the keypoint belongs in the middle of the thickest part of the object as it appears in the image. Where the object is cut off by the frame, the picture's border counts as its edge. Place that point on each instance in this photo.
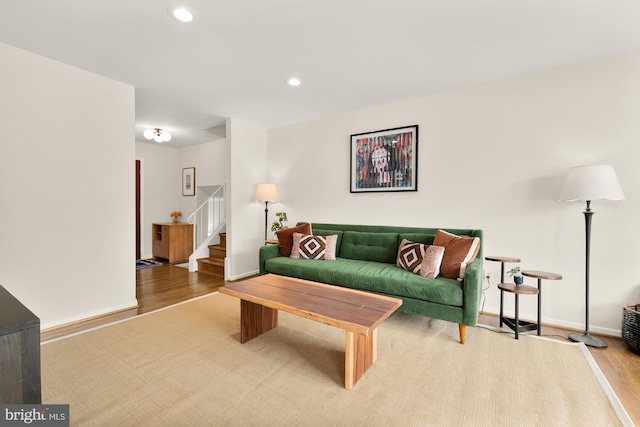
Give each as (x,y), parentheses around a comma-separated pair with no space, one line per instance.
(593,182)
(267,193)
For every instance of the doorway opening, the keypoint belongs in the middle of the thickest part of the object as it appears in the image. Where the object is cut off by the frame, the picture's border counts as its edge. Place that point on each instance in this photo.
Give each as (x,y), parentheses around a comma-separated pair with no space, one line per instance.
(138,235)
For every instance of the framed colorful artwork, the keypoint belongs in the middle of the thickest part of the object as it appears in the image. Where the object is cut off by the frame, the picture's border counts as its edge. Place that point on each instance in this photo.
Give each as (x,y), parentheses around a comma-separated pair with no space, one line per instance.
(189,181)
(385,160)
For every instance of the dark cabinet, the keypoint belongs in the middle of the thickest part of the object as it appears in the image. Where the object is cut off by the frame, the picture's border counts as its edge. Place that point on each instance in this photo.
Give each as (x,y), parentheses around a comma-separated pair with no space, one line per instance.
(19,352)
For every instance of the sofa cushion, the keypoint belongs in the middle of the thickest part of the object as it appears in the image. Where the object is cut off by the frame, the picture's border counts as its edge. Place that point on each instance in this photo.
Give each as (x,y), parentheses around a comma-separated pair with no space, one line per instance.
(314,247)
(459,252)
(382,278)
(378,247)
(285,238)
(419,258)
(426,239)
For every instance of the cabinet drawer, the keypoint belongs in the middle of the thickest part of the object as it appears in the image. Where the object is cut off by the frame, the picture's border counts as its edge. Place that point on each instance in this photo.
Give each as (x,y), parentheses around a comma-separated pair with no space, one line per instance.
(157,248)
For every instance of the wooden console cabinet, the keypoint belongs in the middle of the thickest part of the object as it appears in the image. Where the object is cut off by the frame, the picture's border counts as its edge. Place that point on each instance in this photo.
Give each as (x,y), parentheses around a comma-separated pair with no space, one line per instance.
(19,352)
(172,241)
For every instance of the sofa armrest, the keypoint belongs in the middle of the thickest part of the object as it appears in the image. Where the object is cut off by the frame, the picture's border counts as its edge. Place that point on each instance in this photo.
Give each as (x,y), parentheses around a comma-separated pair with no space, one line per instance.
(472,291)
(267,252)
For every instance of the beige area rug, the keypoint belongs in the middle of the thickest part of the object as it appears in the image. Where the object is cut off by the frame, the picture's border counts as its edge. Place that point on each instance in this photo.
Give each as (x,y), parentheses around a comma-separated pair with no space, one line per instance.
(185,366)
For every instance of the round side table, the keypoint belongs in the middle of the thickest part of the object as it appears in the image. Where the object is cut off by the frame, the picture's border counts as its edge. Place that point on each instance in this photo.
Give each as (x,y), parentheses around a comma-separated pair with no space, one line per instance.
(502,260)
(540,275)
(515,324)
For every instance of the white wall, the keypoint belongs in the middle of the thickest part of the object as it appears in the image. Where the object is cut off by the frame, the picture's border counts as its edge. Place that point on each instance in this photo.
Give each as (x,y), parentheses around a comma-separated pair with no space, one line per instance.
(494,157)
(213,167)
(245,222)
(162,180)
(67,240)
(160,190)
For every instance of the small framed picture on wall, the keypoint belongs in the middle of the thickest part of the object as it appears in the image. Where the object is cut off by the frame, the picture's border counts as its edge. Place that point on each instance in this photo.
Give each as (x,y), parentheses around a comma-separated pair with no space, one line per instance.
(189,181)
(385,160)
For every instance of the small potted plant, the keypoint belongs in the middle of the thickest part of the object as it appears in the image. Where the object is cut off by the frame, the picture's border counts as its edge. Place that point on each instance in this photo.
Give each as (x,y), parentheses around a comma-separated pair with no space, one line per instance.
(516,273)
(278,225)
(176,215)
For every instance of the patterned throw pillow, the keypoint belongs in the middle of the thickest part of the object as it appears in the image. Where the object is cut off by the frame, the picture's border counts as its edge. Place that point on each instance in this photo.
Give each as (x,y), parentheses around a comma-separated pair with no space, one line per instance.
(431,262)
(459,252)
(314,247)
(420,259)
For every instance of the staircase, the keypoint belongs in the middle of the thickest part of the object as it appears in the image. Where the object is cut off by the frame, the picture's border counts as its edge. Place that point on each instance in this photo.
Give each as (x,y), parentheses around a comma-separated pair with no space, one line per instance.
(214,265)
(209,225)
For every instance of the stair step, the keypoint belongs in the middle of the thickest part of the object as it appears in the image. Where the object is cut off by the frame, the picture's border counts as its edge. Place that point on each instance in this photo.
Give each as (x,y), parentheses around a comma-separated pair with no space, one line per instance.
(213,261)
(212,266)
(223,239)
(217,251)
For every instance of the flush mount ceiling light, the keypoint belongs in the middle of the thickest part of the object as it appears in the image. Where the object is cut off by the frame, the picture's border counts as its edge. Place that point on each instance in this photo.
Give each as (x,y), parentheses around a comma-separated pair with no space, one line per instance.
(157,134)
(181,14)
(293,81)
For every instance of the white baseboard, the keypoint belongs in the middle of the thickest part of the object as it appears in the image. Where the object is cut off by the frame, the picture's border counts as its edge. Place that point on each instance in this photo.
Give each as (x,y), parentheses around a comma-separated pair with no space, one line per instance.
(89,315)
(556,322)
(242,276)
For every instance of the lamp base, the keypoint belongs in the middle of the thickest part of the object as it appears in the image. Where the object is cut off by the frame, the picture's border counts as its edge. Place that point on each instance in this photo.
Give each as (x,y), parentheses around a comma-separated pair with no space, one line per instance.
(588,339)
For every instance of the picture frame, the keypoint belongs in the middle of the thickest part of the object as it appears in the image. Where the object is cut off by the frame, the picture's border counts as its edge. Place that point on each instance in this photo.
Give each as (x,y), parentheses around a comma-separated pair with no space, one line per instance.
(384,160)
(189,181)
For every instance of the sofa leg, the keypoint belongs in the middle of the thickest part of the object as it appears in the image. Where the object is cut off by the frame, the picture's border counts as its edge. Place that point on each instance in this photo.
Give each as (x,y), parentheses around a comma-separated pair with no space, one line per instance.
(463,331)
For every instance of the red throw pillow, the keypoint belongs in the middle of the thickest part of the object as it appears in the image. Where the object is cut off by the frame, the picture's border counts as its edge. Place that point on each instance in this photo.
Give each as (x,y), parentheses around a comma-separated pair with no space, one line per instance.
(459,252)
(285,238)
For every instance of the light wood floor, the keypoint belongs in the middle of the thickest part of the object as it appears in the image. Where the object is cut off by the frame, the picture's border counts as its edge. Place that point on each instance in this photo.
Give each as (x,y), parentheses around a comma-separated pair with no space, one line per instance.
(159,287)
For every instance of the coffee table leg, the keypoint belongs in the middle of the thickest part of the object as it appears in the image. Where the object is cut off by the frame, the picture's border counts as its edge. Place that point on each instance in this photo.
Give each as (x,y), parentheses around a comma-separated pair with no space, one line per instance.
(255,319)
(360,353)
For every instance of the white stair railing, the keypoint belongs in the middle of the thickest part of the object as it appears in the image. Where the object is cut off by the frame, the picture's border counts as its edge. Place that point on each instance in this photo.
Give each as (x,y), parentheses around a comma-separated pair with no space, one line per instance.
(208,221)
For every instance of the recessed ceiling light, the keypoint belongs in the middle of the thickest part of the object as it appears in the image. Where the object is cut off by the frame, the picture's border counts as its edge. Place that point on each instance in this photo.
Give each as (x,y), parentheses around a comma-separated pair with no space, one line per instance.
(293,82)
(181,14)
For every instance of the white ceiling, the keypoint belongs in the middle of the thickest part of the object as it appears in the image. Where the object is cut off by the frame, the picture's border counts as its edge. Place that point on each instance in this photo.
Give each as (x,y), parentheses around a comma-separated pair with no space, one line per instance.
(234,59)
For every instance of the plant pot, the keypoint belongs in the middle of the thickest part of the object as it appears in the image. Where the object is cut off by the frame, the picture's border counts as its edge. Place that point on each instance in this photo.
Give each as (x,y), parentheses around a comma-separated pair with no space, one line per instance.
(519,280)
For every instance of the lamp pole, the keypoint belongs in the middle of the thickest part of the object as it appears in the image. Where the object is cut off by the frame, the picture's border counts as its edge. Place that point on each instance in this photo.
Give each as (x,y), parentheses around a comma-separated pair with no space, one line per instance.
(266,215)
(587,338)
(266,193)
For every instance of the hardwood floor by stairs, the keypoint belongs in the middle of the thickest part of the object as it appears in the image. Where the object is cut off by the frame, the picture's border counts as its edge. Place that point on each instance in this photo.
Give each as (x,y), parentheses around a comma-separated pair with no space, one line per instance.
(163,286)
(159,287)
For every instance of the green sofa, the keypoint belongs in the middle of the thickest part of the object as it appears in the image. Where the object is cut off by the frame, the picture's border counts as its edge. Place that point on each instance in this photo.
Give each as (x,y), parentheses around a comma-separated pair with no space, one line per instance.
(366,260)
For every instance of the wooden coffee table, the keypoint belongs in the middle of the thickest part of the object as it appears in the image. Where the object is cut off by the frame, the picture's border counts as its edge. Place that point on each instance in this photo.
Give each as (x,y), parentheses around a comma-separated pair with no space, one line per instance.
(358,313)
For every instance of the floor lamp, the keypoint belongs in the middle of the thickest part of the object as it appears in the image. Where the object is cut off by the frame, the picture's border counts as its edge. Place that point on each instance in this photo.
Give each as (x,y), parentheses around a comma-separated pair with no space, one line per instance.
(588,183)
(266,193)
